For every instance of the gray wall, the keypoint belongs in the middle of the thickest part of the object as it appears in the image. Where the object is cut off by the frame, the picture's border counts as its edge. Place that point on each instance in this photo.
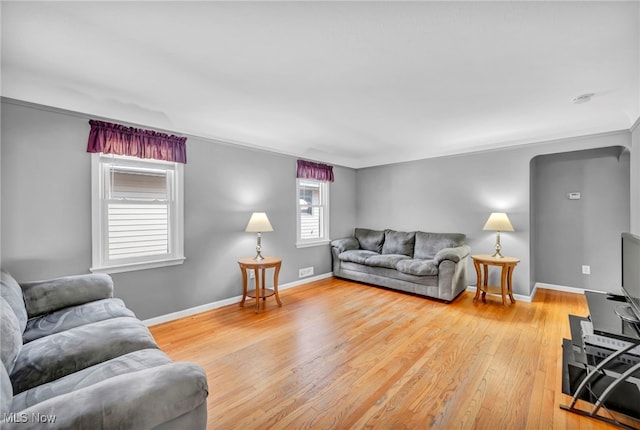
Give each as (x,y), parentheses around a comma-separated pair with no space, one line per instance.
(46,212)
(457,194)
(46,203)
(572,233)
(635,179)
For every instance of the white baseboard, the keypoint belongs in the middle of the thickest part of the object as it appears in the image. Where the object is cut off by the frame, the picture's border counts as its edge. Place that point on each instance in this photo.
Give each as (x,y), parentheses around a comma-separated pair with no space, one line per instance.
(220,303)
(559,288)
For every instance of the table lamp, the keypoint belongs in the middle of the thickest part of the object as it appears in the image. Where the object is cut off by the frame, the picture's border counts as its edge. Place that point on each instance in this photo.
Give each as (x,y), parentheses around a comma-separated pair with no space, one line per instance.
(498,221)
(258,223)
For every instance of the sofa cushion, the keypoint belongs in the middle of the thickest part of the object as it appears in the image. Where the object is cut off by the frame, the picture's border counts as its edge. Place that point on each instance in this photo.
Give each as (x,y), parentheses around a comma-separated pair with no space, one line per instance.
(52,357)
(418,267)
(6,393)
(128,363)
(379,275)
(398,242)
(46,296)
(356,255)
(427,245)
(10,335)
(153,398)
(371,240)
(12,293)
(387,260)
(75,316)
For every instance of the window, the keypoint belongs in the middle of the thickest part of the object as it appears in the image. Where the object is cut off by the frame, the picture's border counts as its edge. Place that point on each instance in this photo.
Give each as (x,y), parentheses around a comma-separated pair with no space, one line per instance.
(137,213)
(312,212)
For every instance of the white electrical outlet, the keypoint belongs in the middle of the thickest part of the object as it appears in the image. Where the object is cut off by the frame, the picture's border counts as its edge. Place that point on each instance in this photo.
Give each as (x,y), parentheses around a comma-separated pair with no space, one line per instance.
(586,270)
(574,196)
(307,271)
(252,274)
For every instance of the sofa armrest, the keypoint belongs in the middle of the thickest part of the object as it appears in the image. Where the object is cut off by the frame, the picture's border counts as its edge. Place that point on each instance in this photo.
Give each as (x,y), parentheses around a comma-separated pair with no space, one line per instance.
(139,400)
(454,254)
(47,296)
(345,244)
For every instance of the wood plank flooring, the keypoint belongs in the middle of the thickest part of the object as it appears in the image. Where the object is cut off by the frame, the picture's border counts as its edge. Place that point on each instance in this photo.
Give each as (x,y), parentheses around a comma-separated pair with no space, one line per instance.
(344,355)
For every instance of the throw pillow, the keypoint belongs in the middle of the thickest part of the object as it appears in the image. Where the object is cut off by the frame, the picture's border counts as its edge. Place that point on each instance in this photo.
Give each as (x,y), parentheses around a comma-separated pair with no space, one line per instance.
(398,242)
(370,240)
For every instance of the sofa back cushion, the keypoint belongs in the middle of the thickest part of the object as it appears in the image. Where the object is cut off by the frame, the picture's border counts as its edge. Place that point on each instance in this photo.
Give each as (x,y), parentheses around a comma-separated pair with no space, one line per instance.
(398,242)
(370,240)
(427,245)
(10,336)
(42,297)
(10,290)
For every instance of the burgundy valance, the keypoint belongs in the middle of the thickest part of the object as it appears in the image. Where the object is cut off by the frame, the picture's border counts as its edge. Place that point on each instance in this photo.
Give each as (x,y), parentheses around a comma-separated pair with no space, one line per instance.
(317,171)
(118,139)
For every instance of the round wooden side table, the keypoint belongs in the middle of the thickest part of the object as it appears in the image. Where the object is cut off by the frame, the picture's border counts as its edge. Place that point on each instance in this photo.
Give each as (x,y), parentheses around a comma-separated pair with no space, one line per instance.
(507,264)
(259,268)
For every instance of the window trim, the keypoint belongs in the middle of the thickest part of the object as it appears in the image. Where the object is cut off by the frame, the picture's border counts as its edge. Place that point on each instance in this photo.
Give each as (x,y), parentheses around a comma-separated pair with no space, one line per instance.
(99,243)
(324,197)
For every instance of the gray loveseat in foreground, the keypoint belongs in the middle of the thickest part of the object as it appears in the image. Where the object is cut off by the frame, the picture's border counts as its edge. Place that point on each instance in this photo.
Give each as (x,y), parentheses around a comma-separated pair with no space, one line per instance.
(429,264)
(74,357)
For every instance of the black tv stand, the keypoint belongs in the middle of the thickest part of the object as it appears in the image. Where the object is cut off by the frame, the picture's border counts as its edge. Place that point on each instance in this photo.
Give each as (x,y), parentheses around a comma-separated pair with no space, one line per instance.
(626,314)
(601,363)
(616,297)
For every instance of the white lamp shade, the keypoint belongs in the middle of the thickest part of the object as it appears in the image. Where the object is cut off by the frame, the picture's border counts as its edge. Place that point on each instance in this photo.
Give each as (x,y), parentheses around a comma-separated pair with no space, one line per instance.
(498,221)
(258,223)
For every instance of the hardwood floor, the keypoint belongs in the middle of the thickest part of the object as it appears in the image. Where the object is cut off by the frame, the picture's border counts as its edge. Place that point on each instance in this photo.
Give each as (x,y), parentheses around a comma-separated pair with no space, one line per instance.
(343,355)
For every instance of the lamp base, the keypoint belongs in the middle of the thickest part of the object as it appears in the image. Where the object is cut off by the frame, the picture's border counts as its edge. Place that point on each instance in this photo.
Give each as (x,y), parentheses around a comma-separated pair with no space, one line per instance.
(497,254)
(259,248)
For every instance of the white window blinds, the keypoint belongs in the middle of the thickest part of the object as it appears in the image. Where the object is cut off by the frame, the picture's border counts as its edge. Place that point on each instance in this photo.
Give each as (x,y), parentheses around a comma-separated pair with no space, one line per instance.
(138,212)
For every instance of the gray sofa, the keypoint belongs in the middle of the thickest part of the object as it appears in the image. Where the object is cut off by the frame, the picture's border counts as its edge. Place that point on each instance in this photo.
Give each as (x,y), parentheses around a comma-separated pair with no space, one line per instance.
(74,357)
(428,264)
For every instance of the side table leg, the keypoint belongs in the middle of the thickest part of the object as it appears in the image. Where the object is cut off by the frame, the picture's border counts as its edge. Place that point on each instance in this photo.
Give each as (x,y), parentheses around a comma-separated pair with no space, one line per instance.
(275,284)
(510,283)
(479,280)
(244,286)
(485,283)
(257,279)
(503,284)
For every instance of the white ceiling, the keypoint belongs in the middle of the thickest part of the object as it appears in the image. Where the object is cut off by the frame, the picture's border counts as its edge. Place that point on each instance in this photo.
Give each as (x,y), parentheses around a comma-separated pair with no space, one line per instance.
(350,83)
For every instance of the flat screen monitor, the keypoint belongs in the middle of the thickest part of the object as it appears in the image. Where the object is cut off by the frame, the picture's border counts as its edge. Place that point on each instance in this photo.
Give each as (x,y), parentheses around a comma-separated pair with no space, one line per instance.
(631,271)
